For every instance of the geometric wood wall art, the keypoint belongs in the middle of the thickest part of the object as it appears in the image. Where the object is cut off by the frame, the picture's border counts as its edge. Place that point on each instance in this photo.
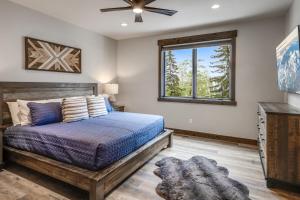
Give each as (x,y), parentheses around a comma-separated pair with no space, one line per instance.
(48,56)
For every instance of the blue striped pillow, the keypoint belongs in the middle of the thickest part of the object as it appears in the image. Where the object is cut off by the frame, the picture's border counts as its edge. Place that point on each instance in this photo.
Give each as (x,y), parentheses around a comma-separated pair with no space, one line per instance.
(96,106)
(45,113)
(74,109)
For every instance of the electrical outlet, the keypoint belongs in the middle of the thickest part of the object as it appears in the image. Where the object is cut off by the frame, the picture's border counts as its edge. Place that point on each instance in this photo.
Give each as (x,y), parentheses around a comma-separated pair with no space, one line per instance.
(191,121)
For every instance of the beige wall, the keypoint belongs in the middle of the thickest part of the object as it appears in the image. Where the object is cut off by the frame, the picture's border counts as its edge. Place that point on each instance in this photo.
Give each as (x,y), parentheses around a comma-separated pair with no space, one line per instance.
(98,52)
(255,80)
(292,20)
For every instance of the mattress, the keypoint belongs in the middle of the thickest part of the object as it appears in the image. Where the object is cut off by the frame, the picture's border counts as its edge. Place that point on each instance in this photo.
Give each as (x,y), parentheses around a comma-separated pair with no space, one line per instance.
(91,144)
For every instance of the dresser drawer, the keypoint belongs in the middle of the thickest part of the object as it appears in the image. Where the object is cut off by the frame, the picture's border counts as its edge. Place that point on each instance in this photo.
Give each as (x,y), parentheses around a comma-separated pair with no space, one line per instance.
(261,120)
(262,154)
(262,134)
(262,142)
(262,137)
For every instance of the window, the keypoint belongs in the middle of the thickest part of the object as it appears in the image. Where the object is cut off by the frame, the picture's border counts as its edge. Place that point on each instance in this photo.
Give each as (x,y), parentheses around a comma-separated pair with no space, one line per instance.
(198,69)
(178,72)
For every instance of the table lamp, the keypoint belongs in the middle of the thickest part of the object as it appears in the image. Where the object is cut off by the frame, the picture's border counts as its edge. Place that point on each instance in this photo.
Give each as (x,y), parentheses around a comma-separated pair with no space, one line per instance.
(111,89)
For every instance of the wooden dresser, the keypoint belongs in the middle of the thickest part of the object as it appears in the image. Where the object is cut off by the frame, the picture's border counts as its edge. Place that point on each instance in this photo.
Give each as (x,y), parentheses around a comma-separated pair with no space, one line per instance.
(279,144)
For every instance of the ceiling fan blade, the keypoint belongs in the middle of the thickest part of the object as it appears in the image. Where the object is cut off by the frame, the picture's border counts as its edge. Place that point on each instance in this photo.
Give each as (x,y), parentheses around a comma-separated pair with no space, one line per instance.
(116,9)
(160,11)
(146,2)
(138,18)
(129,2)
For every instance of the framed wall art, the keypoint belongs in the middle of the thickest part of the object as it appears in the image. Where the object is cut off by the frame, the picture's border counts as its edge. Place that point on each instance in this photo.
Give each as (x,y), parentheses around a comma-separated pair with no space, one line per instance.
(48,56)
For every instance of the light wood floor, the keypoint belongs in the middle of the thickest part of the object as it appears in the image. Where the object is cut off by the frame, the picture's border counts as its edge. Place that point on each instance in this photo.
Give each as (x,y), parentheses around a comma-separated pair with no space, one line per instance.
(243,163)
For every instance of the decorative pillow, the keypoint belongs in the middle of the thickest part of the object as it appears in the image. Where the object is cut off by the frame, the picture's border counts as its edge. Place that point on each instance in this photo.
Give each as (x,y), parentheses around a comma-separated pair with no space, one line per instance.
(25,111)
(14,112)
(108,105)
(45,113)
(74,109)
(96,106)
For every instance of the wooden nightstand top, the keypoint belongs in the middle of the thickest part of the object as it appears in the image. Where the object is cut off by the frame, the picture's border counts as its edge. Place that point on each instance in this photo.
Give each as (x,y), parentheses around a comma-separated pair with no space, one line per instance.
(4,127)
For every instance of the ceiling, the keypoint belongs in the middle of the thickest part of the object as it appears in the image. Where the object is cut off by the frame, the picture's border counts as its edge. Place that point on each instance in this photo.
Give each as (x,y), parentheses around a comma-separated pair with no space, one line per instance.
(192,13)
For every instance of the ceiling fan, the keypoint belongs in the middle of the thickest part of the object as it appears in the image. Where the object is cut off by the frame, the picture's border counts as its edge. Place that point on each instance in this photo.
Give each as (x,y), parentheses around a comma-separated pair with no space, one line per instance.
(138,6)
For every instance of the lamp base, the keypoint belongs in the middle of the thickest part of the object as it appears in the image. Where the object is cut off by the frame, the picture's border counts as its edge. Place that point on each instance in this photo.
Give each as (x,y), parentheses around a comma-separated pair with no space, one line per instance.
(112,99)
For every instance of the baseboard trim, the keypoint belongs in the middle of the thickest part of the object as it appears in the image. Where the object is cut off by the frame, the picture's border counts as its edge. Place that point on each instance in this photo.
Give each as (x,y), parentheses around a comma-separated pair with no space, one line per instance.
(214,136)
(273,183)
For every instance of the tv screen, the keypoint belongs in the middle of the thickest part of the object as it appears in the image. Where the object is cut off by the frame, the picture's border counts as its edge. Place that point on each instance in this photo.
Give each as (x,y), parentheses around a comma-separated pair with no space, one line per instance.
(288,63)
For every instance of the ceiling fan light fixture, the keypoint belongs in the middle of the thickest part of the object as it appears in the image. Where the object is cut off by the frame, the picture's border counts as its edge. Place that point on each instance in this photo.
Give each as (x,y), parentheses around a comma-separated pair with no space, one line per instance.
(138,7)
(137,10)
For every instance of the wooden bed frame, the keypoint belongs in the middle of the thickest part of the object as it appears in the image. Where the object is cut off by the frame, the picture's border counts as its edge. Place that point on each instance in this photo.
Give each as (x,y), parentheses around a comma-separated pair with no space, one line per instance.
(97,183)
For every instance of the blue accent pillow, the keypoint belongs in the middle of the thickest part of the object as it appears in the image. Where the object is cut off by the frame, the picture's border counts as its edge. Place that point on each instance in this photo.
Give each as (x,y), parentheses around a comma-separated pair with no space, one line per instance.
(45,113)
(108,105)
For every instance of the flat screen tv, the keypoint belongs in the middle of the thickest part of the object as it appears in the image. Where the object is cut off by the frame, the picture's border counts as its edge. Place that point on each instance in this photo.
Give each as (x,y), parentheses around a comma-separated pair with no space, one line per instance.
(288,63)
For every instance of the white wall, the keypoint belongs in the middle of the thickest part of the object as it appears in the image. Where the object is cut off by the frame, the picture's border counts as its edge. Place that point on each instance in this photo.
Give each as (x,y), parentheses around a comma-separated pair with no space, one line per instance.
(292,20)
(255,80)
(98,52)
(137,67)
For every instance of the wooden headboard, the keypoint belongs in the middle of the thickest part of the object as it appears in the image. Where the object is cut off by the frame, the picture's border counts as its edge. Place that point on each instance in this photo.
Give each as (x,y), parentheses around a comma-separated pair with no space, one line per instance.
(11,91)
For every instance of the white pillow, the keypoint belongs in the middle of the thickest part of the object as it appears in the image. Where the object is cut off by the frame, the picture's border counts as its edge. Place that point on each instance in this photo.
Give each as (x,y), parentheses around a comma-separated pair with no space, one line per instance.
(25,116)
(25,111)
(96,106)
(14,112)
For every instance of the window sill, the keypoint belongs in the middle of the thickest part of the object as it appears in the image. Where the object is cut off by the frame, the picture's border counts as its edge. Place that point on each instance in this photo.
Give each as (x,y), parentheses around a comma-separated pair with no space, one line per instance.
(198,101)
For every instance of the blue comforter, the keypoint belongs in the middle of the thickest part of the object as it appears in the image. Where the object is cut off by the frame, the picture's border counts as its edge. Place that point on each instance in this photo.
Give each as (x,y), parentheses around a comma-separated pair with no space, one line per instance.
(91,144)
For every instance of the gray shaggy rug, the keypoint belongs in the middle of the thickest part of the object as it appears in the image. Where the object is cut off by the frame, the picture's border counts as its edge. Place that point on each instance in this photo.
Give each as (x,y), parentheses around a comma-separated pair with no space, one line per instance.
(197,178)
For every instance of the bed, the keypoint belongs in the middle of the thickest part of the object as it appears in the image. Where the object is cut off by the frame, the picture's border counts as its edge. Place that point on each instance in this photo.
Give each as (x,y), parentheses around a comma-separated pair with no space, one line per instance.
(95,159)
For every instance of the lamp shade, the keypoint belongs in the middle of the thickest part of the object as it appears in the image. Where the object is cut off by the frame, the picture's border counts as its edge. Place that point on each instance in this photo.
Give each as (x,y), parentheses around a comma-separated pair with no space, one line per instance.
(111,88)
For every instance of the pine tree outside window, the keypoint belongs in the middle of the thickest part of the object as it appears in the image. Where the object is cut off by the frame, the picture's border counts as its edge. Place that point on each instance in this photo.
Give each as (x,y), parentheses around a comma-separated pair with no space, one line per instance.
(198,69)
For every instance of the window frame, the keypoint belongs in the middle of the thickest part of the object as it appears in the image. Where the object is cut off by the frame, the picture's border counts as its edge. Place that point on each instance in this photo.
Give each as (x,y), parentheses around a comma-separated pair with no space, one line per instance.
(228,37)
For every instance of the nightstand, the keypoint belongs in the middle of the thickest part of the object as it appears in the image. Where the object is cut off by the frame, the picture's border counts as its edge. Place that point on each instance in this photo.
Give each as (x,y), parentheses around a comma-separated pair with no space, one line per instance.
(119,108)
(2,128)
